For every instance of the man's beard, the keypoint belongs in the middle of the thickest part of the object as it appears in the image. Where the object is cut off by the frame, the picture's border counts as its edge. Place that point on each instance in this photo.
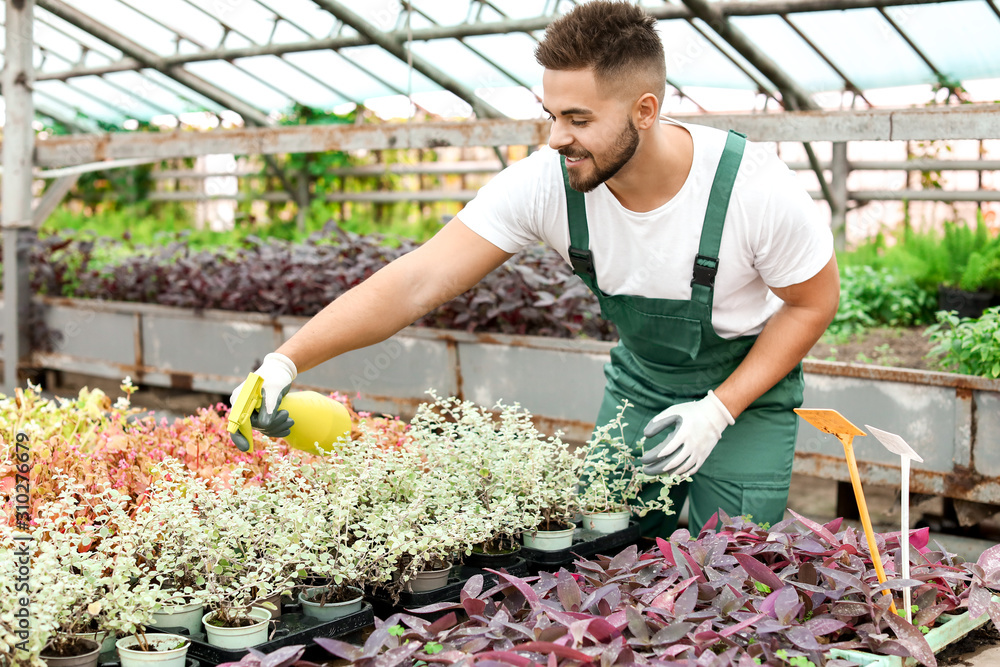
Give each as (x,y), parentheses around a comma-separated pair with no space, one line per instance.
(618,155)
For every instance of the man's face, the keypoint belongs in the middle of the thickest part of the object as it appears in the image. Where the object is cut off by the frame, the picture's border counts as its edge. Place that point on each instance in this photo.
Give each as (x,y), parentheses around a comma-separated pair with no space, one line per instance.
(595,132)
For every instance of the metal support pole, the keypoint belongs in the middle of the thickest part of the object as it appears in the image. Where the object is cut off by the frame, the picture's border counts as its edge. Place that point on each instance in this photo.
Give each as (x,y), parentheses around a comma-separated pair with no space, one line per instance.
(838,187)
(18,148)
(302,198)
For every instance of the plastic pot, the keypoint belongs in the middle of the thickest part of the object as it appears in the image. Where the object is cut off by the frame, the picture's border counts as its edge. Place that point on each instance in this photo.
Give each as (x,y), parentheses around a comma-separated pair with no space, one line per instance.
(91,652)
(483,560)
(606,522)
(104,638)
(549,540)
(131,656)
(967,304)
(330,610)
(428,580)
(187,616)
(244,637)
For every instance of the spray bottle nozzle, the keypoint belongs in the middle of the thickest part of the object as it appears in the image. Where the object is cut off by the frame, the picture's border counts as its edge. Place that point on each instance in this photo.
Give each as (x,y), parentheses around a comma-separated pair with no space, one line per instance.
(248,400)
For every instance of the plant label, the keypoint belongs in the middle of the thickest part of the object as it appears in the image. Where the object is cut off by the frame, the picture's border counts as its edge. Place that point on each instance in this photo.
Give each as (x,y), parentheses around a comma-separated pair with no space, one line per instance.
(894,443)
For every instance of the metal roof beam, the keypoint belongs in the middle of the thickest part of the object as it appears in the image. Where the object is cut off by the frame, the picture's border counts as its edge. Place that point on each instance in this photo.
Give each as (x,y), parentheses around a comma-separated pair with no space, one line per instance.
(967,121)
(847,82)
(916,49)
(259,79)
(149,59)
(993,6)
(762,86)
(396,47)
(745,47)
(765,7)
(488,60)
(250,114)
(791,92)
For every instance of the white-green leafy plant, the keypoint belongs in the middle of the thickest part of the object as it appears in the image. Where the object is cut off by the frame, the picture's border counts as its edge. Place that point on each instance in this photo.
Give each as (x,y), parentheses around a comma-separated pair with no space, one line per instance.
(83,576)
(612,477)
(247,560)
(401,517)
(172,536)
(508,475)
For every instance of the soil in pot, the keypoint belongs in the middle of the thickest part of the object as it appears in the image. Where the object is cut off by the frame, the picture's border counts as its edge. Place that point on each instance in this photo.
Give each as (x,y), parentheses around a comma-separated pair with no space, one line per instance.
(103,637)
(331,594)
(72,652)
(239,631)
(219,620)
(272,604)
(496,553)
(327,604)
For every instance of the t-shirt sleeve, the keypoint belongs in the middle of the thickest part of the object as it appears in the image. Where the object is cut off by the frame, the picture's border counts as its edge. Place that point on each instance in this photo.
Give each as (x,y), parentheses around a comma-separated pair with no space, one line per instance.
(794,243)
(505,210)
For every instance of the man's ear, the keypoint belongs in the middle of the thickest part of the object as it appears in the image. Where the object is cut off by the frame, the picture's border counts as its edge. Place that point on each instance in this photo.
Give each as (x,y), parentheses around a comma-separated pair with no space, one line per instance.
(646,111)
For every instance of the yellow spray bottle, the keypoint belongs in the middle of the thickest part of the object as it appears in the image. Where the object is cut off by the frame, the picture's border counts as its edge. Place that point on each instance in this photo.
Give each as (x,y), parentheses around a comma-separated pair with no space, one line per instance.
(319,420)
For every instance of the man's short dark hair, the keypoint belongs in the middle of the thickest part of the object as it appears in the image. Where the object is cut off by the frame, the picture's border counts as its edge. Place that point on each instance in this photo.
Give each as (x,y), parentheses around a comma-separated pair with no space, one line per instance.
(618,40)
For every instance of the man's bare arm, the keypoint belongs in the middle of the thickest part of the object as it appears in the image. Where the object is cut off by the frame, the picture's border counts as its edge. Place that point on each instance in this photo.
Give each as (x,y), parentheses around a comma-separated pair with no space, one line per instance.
(786,338)
(454,260)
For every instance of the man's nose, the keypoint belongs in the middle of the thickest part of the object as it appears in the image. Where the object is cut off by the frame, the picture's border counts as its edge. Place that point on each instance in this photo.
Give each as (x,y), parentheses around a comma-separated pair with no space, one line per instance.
(559,136)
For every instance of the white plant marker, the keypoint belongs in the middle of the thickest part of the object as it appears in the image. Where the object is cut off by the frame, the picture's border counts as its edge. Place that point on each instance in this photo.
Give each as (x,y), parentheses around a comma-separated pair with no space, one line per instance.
(897,445)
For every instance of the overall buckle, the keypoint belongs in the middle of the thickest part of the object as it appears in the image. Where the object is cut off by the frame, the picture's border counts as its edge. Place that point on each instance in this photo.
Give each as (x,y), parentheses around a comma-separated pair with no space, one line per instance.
(705,269)
(582,261)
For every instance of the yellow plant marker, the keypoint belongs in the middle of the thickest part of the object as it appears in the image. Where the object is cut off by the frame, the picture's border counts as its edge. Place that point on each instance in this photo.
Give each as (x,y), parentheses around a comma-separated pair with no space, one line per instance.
(834,423)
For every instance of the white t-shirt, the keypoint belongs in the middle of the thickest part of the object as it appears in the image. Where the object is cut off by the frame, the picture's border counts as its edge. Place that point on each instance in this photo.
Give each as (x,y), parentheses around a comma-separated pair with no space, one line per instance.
(773,233)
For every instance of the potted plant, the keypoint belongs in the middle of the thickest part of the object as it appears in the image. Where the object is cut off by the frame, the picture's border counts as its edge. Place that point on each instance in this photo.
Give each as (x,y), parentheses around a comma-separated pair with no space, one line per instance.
(82,570)
(173,538)
(959,263)
(314,506)
(153,650)
(611,480)
(237,566)
(511,478)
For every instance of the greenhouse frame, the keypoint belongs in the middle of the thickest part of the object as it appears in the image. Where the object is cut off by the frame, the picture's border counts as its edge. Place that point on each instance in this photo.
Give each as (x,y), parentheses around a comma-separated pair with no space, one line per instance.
(815,78)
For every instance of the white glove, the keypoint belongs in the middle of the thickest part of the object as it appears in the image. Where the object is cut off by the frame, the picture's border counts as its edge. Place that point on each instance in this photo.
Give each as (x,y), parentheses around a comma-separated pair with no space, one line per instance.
(277,372)
(699,425)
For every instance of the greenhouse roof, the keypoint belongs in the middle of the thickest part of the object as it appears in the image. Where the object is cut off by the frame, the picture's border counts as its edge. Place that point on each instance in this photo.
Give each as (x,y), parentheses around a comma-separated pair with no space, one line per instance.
(116,60)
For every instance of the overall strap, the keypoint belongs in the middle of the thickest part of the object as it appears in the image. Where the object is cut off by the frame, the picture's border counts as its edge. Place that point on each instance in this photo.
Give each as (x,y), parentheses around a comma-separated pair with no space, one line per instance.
(706,264)
(579,236)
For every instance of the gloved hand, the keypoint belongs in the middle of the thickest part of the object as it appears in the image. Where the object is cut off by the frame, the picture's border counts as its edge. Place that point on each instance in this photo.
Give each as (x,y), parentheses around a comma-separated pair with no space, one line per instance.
(699,425)
(278,372)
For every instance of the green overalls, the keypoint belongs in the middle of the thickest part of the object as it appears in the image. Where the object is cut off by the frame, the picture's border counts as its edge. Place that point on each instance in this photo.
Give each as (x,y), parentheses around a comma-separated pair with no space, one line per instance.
(669,353)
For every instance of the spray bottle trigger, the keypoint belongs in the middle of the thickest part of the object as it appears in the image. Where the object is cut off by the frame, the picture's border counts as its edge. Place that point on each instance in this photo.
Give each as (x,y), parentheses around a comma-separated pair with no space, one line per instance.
(249,399)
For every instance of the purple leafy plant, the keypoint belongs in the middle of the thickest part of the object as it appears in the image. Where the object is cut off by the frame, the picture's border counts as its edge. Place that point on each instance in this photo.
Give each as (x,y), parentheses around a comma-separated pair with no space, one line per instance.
(735,596)
(535,293)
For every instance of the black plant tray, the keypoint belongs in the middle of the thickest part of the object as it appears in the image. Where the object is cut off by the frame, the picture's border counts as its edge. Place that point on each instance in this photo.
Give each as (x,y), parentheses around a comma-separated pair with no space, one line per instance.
(292,627)
(586,543)
(450,592)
